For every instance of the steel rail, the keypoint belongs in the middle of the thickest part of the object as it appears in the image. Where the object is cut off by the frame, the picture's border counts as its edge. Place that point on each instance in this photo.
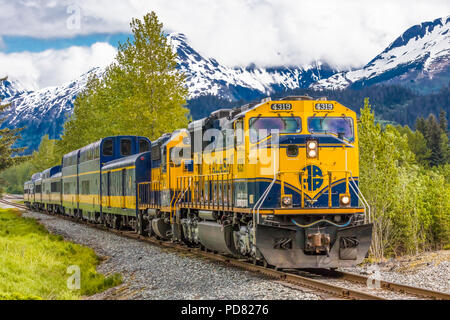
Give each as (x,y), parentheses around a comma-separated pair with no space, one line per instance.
(391,286)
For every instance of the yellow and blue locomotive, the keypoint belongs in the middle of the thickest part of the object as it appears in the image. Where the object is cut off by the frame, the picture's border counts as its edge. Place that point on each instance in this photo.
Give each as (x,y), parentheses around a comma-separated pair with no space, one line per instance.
(275,181)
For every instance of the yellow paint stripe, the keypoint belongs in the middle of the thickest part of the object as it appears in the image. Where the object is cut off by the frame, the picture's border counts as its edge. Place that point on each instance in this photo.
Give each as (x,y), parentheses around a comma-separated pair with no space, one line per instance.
(120,169)
(97,172)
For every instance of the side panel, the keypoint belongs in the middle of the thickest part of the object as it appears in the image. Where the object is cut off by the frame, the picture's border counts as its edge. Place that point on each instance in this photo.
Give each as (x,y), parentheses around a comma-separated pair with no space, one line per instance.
(70,187)
(89,181)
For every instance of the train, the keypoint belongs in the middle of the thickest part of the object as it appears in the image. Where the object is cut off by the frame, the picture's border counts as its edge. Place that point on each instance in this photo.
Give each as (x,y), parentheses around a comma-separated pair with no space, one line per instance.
(275,182)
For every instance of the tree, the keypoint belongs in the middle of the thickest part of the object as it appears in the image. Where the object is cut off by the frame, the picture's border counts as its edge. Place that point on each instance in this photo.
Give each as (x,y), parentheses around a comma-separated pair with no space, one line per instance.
(443,121)
(47,156)
(142,93)
(421,125)
(436,141)
(417,144)
(8,138)
(378,175)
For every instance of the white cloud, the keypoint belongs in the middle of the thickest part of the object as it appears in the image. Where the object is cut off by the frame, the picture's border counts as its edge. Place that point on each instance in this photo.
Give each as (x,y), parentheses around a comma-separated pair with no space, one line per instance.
(55,67)
(239,32)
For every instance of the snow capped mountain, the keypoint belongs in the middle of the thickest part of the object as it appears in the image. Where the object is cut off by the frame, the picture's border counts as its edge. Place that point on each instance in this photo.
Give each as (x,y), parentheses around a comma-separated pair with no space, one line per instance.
(419,57)
(44,111)
(40,112)
(206,76)
(11,89)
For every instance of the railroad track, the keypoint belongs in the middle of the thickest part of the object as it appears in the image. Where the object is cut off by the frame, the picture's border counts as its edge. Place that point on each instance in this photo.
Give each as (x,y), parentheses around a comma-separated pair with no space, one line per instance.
(290,277)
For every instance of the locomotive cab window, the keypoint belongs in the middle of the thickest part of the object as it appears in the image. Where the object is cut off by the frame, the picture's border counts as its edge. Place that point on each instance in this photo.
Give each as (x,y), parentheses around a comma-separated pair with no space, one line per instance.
(108,147)
(125,147)
(144,146)
(341,127)
(240,134)
(261,128)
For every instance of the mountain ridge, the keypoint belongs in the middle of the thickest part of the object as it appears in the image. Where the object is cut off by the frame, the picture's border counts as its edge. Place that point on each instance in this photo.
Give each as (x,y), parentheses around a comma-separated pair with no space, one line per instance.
(420,53)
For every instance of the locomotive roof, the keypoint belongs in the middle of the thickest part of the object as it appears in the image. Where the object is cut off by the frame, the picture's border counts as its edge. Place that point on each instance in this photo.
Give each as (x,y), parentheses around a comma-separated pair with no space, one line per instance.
(239,112)
(125,162)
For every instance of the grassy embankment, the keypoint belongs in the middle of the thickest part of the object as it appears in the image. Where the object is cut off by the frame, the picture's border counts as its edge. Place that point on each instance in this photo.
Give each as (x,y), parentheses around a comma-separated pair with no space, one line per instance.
(33,263)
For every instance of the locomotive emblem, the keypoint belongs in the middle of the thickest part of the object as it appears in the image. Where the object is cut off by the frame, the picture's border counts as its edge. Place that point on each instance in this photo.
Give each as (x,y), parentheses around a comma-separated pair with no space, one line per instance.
(313,179)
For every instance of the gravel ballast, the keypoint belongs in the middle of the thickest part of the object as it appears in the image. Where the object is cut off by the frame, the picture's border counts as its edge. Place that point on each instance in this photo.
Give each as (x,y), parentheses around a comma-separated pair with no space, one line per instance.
(428,270)
(151,273)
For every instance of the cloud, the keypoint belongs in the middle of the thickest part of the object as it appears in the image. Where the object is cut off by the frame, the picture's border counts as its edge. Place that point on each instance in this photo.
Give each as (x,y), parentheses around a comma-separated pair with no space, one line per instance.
(55,67)
(238,32)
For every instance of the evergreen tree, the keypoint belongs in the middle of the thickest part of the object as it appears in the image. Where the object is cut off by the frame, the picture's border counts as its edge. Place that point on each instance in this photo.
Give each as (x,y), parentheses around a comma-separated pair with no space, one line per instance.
(7,139)
(421,125)
(443,121)
(142,93)
(436,144)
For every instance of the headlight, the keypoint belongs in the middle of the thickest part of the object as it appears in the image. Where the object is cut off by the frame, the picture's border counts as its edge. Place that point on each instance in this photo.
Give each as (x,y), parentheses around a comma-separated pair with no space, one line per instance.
(312,154)
(286,201)
(312,145)
(345,200)
(312,149)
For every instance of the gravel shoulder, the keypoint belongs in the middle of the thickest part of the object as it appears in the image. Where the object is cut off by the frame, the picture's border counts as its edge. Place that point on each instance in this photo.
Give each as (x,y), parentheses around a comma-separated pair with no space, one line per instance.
(152,273)
(429,270)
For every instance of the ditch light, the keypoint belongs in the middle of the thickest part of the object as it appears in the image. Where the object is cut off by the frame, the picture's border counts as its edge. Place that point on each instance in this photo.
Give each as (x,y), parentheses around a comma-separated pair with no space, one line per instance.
(312,149)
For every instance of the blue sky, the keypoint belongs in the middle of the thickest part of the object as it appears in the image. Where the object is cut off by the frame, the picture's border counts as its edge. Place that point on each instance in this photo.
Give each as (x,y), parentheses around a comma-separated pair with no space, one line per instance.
(49,42)
(26,43)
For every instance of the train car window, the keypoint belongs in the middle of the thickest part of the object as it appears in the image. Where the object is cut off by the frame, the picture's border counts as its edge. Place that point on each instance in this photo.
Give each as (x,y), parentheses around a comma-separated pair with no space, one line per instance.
(125,147)
(261,128)
(144,146)
(108,147)
(341,127)
(38,189)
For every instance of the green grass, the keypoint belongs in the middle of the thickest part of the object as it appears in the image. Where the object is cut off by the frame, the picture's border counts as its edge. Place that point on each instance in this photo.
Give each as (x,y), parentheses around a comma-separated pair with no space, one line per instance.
(33,263)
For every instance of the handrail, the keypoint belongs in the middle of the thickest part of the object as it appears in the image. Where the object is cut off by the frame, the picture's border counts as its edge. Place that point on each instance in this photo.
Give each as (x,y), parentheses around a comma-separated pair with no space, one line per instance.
(364,201)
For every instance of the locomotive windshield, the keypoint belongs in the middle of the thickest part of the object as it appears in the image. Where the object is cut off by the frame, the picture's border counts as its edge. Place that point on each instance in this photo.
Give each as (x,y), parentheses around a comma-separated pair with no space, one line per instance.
(342,127)
(261,128)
